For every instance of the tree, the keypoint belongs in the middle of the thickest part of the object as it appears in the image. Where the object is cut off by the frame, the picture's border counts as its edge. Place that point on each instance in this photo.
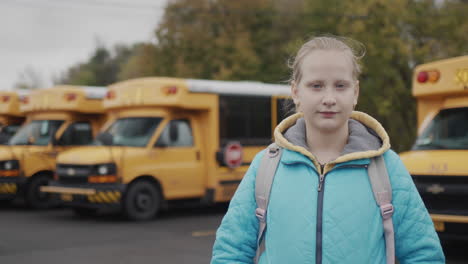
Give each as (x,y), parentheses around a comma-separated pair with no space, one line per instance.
(398,35)
(253,39)
(141,63)
(229,40)
(102,68)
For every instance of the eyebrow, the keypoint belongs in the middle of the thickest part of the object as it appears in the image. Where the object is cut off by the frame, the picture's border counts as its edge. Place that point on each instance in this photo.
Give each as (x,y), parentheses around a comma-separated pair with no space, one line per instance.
(334,81)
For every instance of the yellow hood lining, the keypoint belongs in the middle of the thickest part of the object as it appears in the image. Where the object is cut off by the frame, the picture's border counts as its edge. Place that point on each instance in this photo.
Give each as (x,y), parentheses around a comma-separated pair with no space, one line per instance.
(361,117)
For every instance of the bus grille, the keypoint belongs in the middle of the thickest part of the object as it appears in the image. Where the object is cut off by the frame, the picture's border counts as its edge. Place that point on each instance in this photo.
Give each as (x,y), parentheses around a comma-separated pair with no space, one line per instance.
(443,194)
(73,173)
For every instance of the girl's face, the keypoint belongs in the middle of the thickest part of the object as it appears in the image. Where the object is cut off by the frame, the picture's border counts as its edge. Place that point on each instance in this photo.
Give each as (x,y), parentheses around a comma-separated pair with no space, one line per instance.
(327,91)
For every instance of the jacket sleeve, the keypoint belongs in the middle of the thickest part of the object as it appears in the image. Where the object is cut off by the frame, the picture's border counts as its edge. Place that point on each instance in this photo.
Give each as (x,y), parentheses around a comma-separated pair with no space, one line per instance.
(236,238)
(416,240)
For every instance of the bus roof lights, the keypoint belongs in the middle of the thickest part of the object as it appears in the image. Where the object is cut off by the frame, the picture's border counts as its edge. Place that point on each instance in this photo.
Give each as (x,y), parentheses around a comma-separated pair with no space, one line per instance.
(434,76)
(70,97)
(24,99)
(170,90)
(110,95)
(431,76)
(423,77)
(5,98)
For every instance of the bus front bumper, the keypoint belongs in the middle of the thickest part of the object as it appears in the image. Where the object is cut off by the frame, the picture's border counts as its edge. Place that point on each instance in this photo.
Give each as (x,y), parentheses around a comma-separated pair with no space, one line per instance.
(10,187)
(96,196)
(451,226)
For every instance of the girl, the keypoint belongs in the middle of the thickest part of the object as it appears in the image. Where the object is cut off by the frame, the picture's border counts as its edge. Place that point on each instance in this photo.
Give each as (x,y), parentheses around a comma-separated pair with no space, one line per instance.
(321,207)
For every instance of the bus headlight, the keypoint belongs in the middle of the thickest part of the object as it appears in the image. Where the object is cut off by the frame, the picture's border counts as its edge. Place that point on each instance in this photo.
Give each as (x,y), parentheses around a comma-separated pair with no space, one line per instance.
(9,168)
(103,170)
(9,165)
(104,173)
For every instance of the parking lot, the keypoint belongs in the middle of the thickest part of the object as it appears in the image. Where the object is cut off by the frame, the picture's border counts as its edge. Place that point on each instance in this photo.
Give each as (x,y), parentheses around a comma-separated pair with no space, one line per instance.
(178,236)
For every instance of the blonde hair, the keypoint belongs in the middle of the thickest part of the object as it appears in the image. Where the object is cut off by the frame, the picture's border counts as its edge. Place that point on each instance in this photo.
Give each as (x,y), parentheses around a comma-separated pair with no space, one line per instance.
(355,49)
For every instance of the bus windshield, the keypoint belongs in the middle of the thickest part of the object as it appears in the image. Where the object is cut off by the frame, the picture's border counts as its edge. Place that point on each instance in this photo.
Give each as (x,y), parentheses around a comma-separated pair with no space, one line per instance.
(133,131)
(37,132)
(6,132)
(448,130)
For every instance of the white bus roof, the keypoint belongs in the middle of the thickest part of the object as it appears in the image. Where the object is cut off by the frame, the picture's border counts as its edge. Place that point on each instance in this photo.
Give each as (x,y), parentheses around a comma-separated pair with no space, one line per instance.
(237,87)
(94,92)
(22,92)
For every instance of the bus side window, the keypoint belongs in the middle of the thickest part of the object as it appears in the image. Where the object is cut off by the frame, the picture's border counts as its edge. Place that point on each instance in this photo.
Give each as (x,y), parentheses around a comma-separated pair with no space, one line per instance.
(282,110)
(77,134)
(177,133)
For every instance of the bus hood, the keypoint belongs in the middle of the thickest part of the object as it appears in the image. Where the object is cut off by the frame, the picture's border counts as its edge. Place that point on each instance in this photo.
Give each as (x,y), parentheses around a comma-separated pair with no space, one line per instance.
(90,155)
(6,153)
(436,162)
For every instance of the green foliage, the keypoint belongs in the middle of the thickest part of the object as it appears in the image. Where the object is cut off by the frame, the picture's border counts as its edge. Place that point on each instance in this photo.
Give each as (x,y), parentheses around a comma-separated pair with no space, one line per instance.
(253,40)
(102,68)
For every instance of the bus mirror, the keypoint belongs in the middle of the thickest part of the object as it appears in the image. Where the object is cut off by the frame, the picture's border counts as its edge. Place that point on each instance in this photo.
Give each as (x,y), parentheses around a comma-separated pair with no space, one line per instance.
(160,144)
(105,138)
(173,131)
(31,140)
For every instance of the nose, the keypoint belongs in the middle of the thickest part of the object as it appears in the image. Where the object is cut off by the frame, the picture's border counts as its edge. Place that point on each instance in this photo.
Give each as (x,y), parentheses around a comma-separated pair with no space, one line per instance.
(329,98)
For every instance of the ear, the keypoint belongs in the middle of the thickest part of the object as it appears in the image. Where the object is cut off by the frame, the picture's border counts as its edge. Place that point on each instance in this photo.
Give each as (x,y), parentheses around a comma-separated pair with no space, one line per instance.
(294,92)
(356,92)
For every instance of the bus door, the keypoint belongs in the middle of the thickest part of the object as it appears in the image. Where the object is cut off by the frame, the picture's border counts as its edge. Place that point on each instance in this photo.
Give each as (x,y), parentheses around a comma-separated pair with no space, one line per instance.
(177,155)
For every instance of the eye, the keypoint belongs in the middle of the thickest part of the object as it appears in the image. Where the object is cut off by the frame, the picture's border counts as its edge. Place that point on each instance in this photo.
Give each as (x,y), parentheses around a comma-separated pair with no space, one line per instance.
(315,86)
(341,85)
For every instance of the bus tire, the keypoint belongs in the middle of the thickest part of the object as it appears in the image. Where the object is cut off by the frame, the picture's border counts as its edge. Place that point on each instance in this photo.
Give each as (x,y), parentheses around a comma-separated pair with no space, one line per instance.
(34,197)
(142,201)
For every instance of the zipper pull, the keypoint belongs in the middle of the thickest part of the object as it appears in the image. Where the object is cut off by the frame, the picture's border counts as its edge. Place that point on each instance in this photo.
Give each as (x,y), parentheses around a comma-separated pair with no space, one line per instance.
(322,177)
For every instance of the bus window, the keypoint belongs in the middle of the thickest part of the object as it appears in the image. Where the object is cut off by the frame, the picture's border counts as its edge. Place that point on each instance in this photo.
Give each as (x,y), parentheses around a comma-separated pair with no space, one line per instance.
(184,135)
(245,119)
(133,131)
(40,131)
(77,134)
(10,130)
(282,108)
(448,130)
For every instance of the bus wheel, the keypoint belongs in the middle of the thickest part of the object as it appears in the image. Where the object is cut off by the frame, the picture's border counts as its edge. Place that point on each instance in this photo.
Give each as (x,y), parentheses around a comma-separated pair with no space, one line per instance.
(34,197)
(142,201)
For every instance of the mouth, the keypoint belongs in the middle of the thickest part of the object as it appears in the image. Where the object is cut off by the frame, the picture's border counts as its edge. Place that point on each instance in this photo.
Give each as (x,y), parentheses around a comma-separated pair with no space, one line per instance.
(327,114)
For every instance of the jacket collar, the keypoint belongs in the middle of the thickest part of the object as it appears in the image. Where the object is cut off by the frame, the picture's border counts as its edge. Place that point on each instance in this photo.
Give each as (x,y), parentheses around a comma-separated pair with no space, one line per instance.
(367,139)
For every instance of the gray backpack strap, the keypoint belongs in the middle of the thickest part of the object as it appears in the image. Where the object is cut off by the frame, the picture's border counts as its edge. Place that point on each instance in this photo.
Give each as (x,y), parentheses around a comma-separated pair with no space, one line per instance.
(382,190)
(265,175)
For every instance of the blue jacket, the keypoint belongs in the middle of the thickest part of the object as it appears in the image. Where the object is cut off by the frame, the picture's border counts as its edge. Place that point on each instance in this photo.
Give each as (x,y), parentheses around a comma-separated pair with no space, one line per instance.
(351,223)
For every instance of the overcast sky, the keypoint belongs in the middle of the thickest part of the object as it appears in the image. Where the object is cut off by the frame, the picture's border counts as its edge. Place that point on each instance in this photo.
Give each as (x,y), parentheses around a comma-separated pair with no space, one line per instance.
(48,36)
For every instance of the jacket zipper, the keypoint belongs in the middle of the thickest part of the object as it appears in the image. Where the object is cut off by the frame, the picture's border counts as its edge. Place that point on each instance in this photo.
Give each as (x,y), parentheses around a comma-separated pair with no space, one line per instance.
(318,239)
(321,191)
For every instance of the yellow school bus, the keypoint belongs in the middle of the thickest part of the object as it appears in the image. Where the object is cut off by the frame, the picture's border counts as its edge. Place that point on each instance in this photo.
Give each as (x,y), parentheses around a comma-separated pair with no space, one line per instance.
(438,161)
(171,140)
(57,119)
(10,116)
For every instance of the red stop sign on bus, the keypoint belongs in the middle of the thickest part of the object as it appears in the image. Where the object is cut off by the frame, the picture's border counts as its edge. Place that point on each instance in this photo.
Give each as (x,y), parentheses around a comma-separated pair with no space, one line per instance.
(233,155)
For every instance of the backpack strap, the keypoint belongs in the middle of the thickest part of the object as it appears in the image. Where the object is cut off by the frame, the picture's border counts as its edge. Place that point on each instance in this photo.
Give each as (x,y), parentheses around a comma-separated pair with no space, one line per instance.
(265,175)
(382,190)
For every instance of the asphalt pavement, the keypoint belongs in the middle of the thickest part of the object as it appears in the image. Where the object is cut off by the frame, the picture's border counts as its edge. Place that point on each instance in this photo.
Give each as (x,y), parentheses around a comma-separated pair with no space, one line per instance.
(184,235)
